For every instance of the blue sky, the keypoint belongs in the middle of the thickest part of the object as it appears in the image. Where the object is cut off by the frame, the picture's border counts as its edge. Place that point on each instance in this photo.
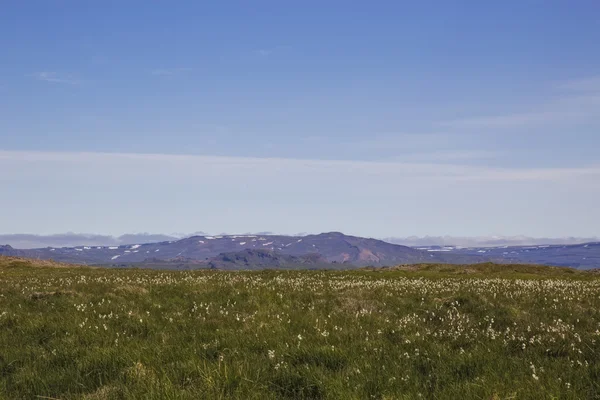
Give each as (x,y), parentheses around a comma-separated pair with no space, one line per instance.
(373,118)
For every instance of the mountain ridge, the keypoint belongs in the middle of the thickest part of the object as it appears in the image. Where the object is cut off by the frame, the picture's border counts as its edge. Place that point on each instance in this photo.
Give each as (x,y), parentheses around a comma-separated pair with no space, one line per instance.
(70,239)
(332,246)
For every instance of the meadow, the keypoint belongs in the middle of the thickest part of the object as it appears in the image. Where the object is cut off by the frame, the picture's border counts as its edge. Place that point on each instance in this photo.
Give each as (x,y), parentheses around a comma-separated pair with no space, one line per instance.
(430,332)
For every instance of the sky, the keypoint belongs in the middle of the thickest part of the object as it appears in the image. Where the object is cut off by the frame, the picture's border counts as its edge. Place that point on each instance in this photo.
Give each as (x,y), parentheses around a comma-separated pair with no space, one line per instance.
(380,118)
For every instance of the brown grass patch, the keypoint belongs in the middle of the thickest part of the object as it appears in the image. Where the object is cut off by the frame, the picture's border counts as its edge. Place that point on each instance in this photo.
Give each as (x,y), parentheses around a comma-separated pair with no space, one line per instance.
(58,293)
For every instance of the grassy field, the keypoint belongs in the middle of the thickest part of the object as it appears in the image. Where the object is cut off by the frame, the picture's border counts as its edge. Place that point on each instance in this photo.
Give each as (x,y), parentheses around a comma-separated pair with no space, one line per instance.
(431,332)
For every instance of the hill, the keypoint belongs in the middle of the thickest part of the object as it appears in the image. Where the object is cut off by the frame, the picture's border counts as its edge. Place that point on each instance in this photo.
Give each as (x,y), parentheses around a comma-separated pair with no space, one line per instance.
(247,259)
(266,259)
(582,256)
(332,247)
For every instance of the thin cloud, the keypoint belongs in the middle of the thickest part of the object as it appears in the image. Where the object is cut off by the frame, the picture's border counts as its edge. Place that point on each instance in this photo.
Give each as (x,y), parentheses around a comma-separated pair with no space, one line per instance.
(450,156)
(579,102)
(591,84)
(32,241)
(264,52)
(514,120)
(267,51)
(238,194)
(401,141)
(418,147)
(170,71)
(54,77)
(149,165)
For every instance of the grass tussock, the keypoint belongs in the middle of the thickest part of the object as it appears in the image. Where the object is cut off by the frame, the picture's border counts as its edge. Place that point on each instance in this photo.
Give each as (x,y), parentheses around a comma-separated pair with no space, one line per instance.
(431,332)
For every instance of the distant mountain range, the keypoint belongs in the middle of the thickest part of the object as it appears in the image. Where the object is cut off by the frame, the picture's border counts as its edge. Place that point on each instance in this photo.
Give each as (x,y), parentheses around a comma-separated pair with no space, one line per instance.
(32,241)
(486,241)
(582,256)
(332,247)
(332,250)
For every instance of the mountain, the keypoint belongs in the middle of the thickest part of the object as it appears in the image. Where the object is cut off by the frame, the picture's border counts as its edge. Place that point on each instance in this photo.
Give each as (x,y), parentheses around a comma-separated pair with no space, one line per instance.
(581,256)
(229,251)
(247,259)
(332,247)
(266,259)
(485,241)
(33,241)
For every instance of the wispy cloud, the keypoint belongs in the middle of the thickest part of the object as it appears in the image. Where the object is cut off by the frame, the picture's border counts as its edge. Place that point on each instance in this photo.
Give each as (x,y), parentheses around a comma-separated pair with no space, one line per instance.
(253,167)
(264,52)
(578,101)
(170,71)
(55,77)
(267,51)
(445,156)
(241,194)
(69,239)
(410,147)
(514,120)
(401,141)
(591,84)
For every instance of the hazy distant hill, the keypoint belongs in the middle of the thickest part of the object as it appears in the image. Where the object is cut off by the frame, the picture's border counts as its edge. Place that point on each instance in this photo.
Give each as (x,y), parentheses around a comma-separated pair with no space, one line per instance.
(582,256)
(486,241)
(332,247)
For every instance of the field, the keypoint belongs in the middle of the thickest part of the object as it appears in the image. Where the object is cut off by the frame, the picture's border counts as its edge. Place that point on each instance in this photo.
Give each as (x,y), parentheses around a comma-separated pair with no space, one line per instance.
(431,332)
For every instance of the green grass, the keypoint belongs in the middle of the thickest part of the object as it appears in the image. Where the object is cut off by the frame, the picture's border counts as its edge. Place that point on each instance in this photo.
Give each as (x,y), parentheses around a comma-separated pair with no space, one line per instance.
(432,332)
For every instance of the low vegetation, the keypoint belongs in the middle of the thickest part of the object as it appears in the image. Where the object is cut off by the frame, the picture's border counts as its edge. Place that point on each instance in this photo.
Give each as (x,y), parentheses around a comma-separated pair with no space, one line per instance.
(431,332)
